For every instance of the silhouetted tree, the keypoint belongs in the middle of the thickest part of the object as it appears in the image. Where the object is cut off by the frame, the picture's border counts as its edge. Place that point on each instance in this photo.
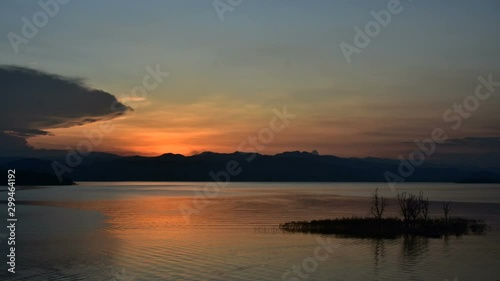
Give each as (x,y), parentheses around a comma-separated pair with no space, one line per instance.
(378,205)
(424,203)
(412,206)
(403,206)
(446,209)
(415,205)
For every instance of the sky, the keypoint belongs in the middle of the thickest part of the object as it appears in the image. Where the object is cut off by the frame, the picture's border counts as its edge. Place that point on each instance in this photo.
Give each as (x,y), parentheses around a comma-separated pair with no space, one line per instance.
(229,71)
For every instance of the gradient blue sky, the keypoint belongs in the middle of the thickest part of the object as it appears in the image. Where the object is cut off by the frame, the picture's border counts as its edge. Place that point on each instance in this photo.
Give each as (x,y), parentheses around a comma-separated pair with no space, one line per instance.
(227,76)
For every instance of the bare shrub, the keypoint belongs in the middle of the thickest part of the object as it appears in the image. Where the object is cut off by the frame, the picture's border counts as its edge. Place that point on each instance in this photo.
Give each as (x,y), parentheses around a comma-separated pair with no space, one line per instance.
(403,206)
(378,205)
(424,203)
(413,207)
(446,209)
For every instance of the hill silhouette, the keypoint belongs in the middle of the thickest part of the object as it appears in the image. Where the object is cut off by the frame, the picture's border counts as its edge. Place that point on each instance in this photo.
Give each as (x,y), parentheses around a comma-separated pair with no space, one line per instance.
(209,166)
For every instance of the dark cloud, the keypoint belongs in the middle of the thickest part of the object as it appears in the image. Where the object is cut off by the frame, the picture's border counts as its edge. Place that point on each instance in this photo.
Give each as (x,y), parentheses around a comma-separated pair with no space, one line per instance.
(13,145)
(471,151)
(470,142)
(479,142)
(26,132)
(34,101)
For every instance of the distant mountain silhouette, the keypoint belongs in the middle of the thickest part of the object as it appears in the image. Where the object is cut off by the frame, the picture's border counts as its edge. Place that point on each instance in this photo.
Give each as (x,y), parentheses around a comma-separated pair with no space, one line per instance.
(24,177)
(287,167)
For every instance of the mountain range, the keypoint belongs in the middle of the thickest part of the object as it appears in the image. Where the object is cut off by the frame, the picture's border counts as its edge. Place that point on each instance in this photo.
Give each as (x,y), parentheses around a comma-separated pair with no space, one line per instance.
(238,166)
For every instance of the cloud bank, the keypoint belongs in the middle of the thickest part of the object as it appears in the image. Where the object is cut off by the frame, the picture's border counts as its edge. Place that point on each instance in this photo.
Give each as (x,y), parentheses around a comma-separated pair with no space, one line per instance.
(34,101)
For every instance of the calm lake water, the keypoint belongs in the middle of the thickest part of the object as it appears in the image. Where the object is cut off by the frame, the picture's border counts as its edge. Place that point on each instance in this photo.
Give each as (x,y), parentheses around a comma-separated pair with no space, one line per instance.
(137,231)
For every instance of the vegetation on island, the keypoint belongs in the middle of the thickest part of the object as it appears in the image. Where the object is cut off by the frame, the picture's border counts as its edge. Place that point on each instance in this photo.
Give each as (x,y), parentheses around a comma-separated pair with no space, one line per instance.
(414,220)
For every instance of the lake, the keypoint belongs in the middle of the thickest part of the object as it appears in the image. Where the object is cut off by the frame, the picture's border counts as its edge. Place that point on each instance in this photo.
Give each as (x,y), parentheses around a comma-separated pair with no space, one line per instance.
(173,231)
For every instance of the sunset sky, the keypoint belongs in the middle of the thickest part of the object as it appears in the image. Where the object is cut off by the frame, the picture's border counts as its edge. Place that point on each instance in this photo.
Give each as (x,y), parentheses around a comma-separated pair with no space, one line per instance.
(226,77)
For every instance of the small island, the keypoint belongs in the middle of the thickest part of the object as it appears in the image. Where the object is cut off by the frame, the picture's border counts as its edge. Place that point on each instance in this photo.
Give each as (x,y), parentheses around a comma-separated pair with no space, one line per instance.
(415,221)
